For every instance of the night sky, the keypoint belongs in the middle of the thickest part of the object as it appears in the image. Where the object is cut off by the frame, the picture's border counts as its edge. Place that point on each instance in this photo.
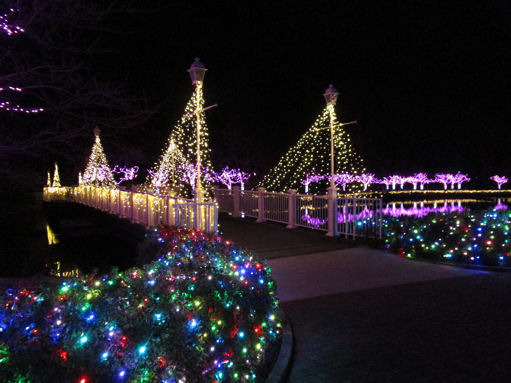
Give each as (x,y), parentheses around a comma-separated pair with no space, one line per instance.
(428,82)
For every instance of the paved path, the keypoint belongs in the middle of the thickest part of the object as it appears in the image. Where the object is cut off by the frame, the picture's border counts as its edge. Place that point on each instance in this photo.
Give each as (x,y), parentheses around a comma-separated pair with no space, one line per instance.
(353,269)
(363,315)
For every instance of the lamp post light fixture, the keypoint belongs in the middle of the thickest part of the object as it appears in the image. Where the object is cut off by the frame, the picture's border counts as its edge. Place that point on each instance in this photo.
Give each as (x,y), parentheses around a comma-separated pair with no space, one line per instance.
(197,71)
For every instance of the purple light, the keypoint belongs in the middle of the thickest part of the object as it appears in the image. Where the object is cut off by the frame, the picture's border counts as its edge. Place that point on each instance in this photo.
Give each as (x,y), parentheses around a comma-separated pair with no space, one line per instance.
(366,179)
(128,174)
(342,179)
(500,180)
(159,178)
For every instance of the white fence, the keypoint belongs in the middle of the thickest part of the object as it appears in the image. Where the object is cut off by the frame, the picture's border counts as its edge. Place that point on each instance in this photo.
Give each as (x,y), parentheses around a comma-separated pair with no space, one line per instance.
(141,208)
(350,217)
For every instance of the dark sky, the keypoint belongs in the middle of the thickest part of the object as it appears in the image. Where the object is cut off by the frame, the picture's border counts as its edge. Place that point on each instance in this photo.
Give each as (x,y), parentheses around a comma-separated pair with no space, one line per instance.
(427,81)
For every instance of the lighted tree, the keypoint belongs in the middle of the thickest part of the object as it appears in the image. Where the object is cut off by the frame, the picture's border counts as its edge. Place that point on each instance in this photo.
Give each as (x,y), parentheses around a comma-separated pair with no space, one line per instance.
(242,177)
(387,181)
(402,181)
(395,179)
(98,172)
(443,178)
(158,179)
(127,174)
(458,179)
(500,180)
(421,178)
(48,180)
(311,154)
(56,177)
(342,179)
(227,176)
(166,175)
(310,178)
(366,179)
(184,138)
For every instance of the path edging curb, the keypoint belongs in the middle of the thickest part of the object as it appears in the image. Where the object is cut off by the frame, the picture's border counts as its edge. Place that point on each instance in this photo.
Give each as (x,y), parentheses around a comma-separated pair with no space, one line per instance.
(281,368)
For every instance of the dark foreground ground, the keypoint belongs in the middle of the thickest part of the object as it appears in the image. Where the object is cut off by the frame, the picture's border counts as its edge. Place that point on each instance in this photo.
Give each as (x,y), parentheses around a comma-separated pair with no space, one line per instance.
(391,319)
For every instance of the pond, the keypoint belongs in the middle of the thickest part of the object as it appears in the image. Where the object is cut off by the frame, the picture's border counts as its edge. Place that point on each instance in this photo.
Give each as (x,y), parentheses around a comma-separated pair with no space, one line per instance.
(473,232)
(62,239)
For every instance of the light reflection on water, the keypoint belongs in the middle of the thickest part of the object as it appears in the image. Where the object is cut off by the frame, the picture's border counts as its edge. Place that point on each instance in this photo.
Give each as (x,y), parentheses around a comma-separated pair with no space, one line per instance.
(424,208)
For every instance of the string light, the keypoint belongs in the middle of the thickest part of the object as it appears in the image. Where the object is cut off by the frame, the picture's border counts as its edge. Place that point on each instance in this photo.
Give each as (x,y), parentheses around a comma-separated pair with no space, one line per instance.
(311,155)
(203,302)
(98,172)
(500,180)
(481,237)
(180,152)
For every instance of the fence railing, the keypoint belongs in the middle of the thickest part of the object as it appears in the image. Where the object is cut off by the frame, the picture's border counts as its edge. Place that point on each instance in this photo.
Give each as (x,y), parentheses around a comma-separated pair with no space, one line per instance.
(142,208)
(350,217)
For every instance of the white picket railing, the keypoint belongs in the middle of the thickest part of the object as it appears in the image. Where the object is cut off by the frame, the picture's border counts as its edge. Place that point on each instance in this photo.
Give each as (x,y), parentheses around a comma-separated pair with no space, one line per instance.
(351,217)
(142,208)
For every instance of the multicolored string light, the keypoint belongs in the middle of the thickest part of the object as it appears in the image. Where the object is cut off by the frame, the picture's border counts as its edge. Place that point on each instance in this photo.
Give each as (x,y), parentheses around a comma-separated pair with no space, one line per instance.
(480,237)
(203,311)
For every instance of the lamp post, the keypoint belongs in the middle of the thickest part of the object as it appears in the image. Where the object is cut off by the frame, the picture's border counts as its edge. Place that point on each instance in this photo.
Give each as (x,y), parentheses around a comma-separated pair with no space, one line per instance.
(331,99)
(197,71)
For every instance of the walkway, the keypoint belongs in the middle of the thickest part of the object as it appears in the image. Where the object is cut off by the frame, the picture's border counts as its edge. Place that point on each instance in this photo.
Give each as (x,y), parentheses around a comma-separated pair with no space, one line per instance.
(362,315)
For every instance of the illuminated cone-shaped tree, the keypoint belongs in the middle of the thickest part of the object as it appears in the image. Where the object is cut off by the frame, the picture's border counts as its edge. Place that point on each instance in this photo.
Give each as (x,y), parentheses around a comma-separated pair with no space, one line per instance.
(56,177)
(189,140)
(312,155)
(166,176)
(98,172)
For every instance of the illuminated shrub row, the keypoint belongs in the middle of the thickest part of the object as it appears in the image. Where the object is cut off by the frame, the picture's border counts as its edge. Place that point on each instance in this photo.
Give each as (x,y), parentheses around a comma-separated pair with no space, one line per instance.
(481,237)
(203,311)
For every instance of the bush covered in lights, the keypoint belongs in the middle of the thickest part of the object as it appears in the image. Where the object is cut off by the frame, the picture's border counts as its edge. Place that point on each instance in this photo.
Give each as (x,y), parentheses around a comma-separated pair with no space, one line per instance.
(203,311)
(480,237)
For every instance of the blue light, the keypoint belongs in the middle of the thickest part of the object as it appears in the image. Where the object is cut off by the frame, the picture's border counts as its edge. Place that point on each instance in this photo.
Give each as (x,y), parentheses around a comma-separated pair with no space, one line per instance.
(104,355)
(142,350)
(241,334)
(122,373)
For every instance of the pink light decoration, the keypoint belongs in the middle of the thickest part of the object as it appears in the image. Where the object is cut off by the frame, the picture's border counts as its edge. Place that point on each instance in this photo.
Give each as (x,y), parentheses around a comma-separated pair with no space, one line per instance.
(422,211)
(159,178)
(12,29)
(500,180)
(387,181)
(100,174)
(443,178)
(310,178)
(7,27)
(226,176)
(421,178)
(395,179)
(342,179)
(500,205)
(242,177)
(366,179)
(189,174)
(458,179)
(128,174)
(314,221)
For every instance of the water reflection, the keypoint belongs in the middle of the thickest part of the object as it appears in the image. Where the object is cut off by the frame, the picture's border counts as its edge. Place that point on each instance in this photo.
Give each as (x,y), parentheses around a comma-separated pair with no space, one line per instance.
(52,238)
(424,208)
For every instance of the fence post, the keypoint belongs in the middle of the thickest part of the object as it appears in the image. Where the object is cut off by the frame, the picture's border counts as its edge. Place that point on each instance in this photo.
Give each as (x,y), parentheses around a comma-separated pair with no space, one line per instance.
(236,202)
(354,218)
(332,210)
(291,207)
(260,205)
